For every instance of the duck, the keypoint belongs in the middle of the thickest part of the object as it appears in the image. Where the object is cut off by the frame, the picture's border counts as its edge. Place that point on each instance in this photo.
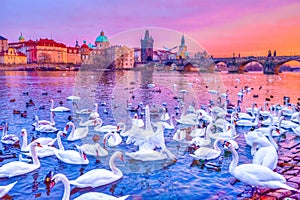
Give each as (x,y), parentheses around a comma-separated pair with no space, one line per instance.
(95,114)
(256,175)
(59,108)
(17,168)
(151,155)
(94,149)
(113,138)
(266,155)
(42,140)
(99,177)
(72,156)
(8,138)
(86,196)
(5,189)
(206,153)
(91,122)
(76,133)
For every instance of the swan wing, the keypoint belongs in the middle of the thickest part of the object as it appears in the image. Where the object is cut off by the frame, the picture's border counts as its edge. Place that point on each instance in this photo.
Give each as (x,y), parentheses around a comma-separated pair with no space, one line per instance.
(5,189)
(16,168)
(255,174)
(95,178)
(99,196)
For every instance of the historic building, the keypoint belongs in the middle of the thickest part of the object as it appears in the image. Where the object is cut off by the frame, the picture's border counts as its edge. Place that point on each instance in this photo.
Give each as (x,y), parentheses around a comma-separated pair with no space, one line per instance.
(47,51)
(147,48)
(182,50)
(103,56)
(11,56)
(3,44)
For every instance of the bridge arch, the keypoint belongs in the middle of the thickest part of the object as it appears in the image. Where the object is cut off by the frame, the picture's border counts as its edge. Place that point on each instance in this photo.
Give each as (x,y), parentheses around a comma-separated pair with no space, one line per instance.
(242,66)
(280,64)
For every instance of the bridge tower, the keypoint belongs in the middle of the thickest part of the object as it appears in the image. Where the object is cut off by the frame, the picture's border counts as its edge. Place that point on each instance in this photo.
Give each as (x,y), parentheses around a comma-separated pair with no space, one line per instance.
(147,48)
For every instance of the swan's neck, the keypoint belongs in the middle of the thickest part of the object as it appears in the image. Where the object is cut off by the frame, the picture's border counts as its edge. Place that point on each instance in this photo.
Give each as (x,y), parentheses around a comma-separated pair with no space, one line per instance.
(148,122)
(4,132)
(216,147)
(73,129)
(66,183)
(232,131)
(256,118)
(60,145)
(52,117)
(123,127)
(24,143)
(272,139)
(271,121)
(52,104)
(234,162)
(113,167)
(280,121)
(265,106)
(35,158)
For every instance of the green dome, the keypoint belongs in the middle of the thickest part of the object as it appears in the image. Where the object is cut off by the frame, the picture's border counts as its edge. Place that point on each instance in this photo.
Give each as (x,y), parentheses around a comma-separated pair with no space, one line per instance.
(101,38)
(21,38)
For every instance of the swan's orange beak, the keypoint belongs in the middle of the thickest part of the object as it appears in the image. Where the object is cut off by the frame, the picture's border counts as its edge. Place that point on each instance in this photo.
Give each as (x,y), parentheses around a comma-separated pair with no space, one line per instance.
(104,142)
(39,144)
(64,134)
(52,184)
(121,157)
(278,131)
(67,127)
(22,133)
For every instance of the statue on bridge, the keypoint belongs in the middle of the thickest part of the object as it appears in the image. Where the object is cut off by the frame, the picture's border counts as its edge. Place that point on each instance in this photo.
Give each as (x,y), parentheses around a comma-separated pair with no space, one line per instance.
(269,53)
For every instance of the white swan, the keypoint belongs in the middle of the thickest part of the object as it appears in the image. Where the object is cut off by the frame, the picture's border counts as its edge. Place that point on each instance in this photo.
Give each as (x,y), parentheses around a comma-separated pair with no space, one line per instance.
(179,135)
(8,138)
(84,111)
(48,150)
(94,149)
(165,124)
(266,156)
(46,128)
(44,122)
(91,122)
(244,122)
(113,138)
(165,115)
(87,196)
(276,132)
(197,131)
(76,133)
(201,142)
(246,116)
(256,175)
(99,177)
(16,168)
(5,189)
(151,155)
(206,153)
(59,108)
(95,114)
(71,156)
(42,140)
(137,122)
(109,128)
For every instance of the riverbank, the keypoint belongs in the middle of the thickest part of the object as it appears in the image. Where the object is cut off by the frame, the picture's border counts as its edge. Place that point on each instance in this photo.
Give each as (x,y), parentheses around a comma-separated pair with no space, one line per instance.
(39,67)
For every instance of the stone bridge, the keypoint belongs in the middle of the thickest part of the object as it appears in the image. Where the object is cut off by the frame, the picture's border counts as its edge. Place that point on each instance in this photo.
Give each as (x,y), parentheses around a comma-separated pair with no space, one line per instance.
(271,64)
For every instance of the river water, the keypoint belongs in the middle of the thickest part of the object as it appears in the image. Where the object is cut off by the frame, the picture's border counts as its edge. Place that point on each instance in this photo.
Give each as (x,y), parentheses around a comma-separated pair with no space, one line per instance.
(114,90)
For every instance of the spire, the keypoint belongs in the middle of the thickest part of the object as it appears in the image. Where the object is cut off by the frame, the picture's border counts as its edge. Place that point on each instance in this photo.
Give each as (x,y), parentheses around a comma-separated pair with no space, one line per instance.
(182,40)
(146,35)
(102,33)
(76,45)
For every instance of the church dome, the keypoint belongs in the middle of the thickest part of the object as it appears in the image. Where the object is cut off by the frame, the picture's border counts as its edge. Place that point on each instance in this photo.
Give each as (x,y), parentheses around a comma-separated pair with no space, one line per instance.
(101,38)
(21,38)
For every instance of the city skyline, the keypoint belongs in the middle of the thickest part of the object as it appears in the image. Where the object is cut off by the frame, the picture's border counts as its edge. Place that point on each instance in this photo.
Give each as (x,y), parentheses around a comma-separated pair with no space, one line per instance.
(221,28)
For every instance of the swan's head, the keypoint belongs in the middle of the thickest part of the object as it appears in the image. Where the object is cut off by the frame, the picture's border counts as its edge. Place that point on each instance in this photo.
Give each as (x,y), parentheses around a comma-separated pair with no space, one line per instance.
(68,125)
(252,128)
(277,131)
(56,178)
(61,133)
(24,132)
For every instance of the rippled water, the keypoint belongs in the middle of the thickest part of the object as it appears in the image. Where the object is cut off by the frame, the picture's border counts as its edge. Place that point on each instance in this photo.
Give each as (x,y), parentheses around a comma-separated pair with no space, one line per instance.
(149,180)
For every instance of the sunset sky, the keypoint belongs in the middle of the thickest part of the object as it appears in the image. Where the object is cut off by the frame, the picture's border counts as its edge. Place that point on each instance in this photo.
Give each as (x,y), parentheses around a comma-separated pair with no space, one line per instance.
(249,27)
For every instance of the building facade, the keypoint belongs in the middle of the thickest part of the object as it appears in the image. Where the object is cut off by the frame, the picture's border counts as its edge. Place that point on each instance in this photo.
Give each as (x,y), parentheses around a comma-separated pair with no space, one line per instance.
(147,48)
(3,44)
(11,56)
